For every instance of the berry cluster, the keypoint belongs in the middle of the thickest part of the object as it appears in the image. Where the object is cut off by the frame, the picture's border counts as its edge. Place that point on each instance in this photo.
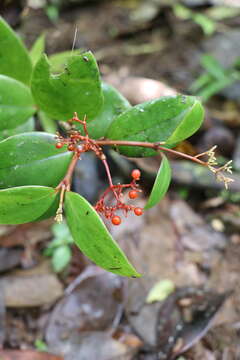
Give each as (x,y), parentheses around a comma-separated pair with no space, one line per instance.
(109,211)
(79,144)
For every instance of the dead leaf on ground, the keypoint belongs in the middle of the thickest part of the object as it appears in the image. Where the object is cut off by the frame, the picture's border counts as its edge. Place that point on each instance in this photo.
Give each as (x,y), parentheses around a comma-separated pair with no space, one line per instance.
(95,345)
(26,234)
(91,303)
(184,318)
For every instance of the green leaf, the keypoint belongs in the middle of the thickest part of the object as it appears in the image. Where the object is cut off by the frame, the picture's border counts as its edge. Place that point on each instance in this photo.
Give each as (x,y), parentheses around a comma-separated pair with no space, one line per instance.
(59,60)
(32,159)
(212,66)
(52,12)
(37,49)
(208,25)
(92,237)
(61,258)
(191,121)
(170,119)
(182,11)
(51,211)
(114,104)
(77,89)
(16,103)
(161,183)
(49,125)
(40,345)
(201,81)
(14,59)
(24,204)
(25,127)
(215,86)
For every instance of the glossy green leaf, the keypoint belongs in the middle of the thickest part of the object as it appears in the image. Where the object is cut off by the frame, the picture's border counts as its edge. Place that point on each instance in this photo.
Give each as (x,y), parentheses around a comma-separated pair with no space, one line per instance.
(14,59)
(77,89)
(190,122)
(161,183)
(170,119)
(92,237)
(59,60)
(37,49)
(16,103)
(32,159)
(25,127)
(51,211)
(114,104)
(24,204)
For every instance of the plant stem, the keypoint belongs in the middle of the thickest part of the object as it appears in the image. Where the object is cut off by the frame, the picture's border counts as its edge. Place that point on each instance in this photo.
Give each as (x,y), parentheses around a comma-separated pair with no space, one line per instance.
(153,146)
(109,178)
(66,182)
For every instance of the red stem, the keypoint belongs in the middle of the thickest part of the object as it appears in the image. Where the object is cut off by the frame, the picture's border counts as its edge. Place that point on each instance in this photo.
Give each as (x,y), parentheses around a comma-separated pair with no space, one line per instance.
(68,177)
(110,178)
(153,146)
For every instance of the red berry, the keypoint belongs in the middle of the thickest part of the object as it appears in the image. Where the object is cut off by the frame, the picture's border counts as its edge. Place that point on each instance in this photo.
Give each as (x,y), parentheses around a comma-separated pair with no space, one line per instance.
(71,147)
(138,211)
(116,220)
(59,145)
(136,174)
(132,194)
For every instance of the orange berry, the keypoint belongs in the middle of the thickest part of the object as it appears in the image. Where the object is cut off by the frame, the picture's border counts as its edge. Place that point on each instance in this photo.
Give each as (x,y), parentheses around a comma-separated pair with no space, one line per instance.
(132,194)
(116,220)
(138,211)
(136,174)
(71,147)
(59,145)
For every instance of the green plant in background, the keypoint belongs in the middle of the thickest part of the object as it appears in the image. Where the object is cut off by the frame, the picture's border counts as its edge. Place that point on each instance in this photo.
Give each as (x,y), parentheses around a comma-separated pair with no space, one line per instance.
(60,247)
(216,77)
(208,19)
(40,345)
(207,24)
(36,168)
(52,10)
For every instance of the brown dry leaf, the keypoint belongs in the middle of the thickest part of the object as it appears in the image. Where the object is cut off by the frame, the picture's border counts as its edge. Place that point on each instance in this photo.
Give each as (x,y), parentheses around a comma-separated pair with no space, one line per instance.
(92,303)
(26,234)
(195,234)
(94,345)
